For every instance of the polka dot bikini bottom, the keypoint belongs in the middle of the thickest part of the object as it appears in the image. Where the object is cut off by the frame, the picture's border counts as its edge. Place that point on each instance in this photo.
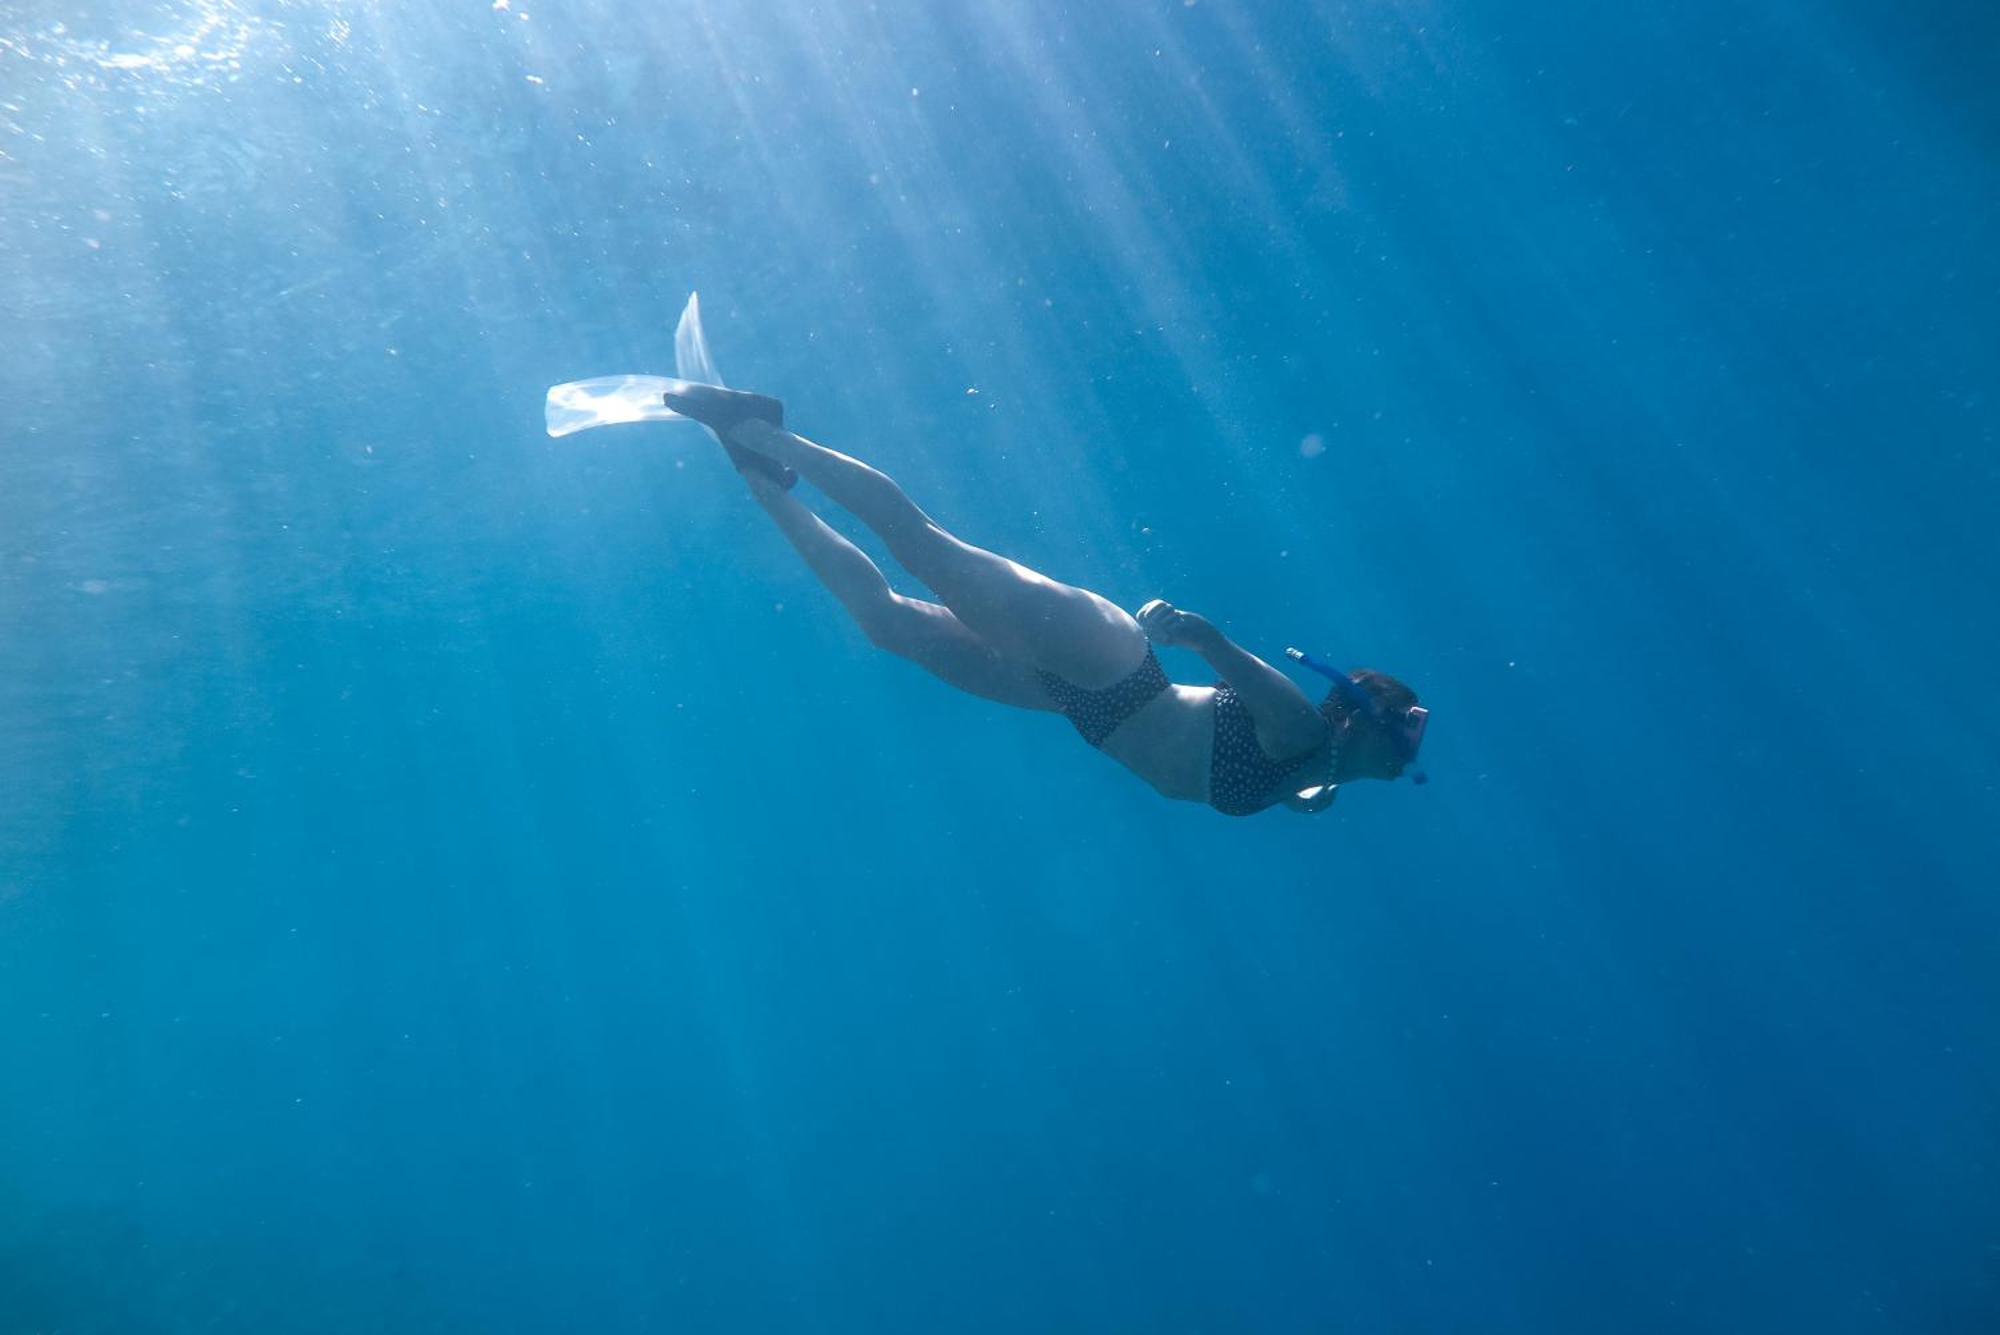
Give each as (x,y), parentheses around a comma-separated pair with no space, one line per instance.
(1097,714)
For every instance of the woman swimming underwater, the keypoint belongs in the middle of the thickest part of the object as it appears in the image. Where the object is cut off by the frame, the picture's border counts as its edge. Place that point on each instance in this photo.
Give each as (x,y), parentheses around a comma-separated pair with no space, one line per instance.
(1011,634)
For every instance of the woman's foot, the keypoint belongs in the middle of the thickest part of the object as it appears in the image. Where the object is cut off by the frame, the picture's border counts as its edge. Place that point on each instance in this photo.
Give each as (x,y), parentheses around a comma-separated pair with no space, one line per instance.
(721,410)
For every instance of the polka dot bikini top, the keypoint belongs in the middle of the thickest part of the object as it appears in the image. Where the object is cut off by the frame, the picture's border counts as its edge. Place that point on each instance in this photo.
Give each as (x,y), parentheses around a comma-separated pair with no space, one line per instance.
(1242,780)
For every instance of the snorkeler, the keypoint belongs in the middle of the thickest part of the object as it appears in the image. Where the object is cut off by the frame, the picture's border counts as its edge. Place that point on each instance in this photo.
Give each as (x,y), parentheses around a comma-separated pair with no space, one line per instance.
(1007,633)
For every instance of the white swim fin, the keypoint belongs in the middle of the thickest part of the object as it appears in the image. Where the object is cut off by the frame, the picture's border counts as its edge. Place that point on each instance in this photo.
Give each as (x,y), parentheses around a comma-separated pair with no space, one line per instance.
(691,359)
(579,405)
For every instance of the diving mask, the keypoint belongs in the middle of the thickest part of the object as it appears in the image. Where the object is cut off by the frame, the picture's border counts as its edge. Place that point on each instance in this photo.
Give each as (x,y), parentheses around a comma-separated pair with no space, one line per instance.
(1409,728)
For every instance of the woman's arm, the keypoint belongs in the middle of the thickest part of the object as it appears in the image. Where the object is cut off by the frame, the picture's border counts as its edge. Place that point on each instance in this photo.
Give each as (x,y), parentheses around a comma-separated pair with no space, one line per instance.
(1288,723)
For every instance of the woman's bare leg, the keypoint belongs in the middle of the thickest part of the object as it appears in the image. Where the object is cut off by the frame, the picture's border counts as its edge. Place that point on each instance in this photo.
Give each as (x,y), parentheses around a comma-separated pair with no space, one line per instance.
(1024,614)
(926,634)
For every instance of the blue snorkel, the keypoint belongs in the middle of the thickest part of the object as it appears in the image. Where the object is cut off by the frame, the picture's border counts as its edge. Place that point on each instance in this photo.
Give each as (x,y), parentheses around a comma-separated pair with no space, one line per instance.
(1412,724)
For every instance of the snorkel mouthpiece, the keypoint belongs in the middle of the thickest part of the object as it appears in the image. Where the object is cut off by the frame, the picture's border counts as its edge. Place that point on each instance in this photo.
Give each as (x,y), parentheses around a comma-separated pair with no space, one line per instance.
(1411,726)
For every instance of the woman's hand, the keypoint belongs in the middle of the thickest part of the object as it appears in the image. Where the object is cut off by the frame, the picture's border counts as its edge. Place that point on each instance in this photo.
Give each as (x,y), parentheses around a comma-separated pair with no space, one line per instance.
(1313,800)
(1166,624)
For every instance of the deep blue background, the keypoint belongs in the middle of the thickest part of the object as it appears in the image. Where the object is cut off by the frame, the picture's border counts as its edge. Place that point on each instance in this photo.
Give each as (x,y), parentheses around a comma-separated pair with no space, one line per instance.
(456,880)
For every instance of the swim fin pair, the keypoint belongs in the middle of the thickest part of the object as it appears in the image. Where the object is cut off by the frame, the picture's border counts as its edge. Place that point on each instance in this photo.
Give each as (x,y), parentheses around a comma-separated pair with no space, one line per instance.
(580,405)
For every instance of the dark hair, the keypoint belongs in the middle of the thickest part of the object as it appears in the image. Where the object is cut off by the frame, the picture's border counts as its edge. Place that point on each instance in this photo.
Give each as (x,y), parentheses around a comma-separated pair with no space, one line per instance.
(1391,698)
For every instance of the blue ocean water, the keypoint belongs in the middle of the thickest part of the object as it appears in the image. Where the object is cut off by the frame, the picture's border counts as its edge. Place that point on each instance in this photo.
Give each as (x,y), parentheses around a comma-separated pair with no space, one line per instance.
(454,880)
